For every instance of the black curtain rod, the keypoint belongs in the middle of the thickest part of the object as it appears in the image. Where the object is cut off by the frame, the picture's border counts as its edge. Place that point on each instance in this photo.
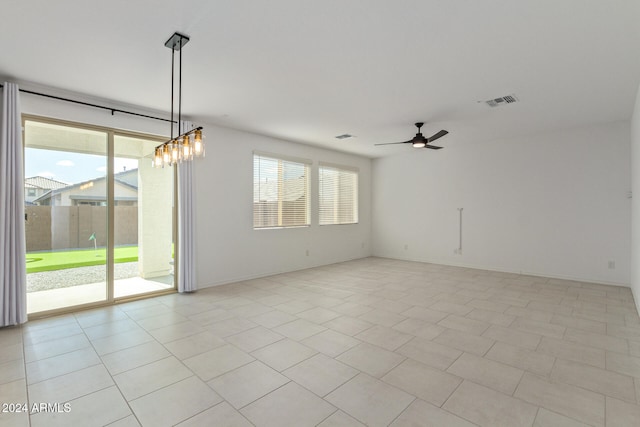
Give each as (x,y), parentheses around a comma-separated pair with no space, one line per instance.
(113,110)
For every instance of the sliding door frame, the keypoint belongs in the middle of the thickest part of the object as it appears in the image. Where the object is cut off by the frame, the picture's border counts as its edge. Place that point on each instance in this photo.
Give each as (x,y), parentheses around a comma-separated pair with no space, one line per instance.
(110,258)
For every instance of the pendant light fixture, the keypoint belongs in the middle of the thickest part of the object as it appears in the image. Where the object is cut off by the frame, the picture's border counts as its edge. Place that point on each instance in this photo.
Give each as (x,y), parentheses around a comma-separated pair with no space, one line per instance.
(186,145)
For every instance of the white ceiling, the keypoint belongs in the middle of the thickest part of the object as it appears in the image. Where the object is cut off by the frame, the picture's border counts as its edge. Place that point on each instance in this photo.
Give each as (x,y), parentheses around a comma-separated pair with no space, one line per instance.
(307,70)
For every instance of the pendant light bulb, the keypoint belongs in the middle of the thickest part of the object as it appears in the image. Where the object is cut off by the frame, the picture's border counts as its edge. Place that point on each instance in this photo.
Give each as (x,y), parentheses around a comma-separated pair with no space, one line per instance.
(186,148)
(175,152)
(166,155)
(198,144)
(157,161)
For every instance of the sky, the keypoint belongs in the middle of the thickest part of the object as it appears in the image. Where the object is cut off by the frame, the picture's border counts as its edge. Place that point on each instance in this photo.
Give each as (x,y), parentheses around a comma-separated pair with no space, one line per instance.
(70,168)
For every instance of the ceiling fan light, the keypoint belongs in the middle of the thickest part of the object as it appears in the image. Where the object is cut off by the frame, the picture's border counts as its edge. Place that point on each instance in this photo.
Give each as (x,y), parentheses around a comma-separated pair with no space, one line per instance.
(418,144)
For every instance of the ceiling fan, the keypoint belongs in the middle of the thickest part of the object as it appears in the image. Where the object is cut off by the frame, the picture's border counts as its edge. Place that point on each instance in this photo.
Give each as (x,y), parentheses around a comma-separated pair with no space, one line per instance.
(419,141)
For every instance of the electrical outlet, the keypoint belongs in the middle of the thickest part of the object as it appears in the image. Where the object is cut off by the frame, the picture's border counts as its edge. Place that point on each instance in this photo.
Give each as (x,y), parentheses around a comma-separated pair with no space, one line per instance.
(406,247)
(307,252)
(612,265)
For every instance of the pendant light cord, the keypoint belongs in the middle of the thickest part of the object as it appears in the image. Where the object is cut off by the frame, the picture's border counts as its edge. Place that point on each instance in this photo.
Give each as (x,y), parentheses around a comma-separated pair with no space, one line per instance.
(173,52)
(180,92)
(178,148)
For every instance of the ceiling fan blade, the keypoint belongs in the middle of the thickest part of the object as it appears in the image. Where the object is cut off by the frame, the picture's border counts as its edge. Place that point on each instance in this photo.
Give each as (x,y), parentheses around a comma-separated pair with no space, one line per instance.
(389,143)
(433,147)
(437,135)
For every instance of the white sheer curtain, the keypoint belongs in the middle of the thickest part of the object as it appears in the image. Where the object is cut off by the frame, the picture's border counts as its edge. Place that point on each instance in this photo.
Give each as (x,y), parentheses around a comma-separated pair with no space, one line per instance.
(186,225)
(13,276)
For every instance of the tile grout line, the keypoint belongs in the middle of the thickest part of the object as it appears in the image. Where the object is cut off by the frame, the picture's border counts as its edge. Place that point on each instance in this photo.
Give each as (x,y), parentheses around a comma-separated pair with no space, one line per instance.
(403,410)
(523,295)
(115,384)
(26,380)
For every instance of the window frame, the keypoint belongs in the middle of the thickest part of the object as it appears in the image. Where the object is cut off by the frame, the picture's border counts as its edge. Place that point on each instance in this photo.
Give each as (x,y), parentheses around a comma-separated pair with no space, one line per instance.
(282,159)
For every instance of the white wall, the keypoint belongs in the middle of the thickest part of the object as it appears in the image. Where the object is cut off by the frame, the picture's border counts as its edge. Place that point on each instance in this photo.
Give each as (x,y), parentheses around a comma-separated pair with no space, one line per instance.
(553,204)
(228,247)
(635,185)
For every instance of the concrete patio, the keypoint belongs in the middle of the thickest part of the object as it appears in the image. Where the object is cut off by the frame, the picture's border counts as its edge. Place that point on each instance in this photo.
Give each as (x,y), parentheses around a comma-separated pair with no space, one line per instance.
(83,294)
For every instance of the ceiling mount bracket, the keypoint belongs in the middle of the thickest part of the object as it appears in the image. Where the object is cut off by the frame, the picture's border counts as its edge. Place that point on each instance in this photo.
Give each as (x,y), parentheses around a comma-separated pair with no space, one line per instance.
(176,41)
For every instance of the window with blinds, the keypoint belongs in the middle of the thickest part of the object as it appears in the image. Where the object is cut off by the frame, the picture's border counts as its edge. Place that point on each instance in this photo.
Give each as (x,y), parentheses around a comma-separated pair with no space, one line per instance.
(280,191)
(338,194)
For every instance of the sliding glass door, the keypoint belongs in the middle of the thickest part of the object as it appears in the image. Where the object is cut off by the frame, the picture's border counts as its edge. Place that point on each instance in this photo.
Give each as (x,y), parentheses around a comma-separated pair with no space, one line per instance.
(65,215)
(143,219)
(98,218)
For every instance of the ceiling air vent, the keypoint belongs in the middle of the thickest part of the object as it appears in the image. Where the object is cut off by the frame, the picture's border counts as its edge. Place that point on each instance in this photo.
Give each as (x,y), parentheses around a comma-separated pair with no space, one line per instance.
(344,136)
(503,100)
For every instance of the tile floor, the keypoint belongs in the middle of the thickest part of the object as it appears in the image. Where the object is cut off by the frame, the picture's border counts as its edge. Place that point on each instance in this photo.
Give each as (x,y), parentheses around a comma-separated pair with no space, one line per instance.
(369,342)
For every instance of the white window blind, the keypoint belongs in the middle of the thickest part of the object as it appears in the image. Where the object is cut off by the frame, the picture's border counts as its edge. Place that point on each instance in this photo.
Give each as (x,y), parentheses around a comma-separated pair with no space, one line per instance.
(338,195)
(280,191)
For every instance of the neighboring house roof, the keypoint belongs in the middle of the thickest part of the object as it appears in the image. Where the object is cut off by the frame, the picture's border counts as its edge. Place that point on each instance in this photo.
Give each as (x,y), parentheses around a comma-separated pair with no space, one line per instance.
(43,183)
(128,178)
(127,184)
(45,196)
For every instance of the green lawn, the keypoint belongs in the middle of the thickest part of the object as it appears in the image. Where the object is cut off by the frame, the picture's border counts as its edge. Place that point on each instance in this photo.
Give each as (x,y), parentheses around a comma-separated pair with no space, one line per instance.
(49,261)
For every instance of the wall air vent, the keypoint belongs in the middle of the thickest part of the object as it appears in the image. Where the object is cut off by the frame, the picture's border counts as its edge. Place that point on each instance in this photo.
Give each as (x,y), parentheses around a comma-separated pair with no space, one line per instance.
(503,100)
